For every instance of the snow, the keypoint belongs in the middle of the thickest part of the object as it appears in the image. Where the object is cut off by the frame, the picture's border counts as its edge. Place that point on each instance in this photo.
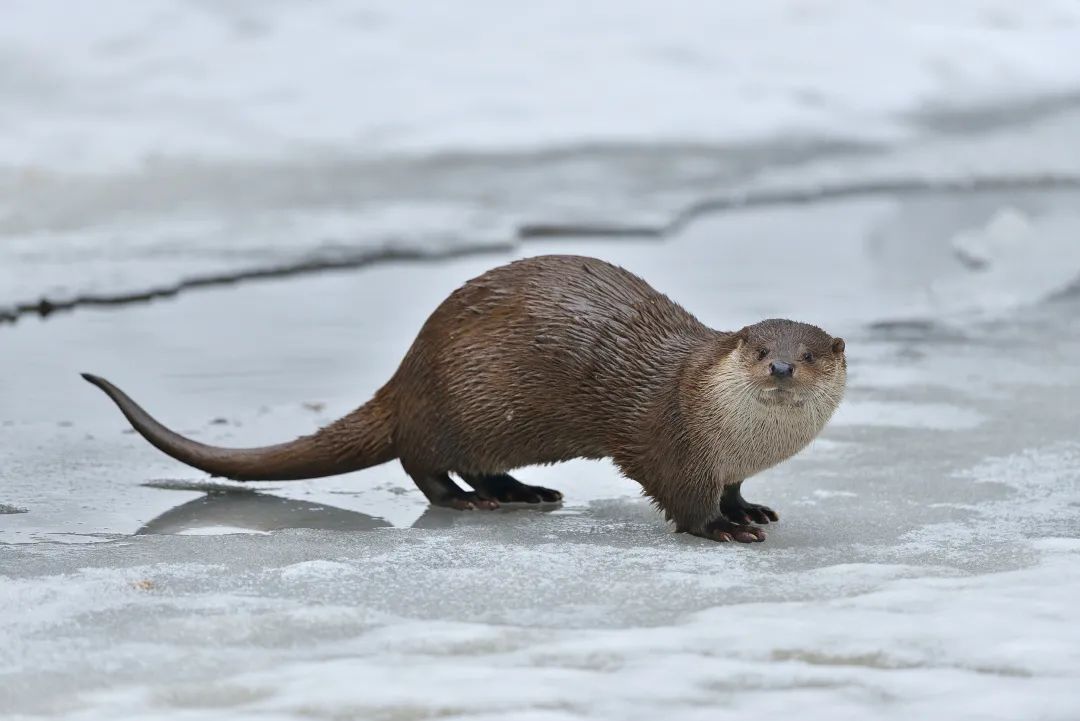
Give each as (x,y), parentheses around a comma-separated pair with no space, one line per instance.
(906,659)
(139,81)
(1008,257)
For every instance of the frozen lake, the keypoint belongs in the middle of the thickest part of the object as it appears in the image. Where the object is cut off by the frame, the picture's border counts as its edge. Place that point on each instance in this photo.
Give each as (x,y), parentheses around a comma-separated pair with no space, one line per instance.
(927,561)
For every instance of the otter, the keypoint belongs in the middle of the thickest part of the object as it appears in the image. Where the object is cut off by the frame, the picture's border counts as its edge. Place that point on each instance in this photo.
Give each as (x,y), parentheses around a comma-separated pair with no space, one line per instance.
(557,357)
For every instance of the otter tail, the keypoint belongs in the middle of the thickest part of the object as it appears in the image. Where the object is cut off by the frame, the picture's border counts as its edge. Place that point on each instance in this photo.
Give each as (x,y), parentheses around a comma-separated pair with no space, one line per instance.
(361,439)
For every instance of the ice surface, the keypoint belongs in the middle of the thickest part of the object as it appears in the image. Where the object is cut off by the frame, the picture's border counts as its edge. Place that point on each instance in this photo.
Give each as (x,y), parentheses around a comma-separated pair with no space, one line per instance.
(172,139)
(927,563)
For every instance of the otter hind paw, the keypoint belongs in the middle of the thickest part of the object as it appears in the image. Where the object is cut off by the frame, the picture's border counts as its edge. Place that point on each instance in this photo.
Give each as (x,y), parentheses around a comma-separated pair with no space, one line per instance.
(468,501)
(530,494)
(507,489)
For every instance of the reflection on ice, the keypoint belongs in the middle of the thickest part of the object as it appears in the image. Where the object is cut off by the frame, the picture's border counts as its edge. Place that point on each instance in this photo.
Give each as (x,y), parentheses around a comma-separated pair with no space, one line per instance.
(256,512)
(237,510)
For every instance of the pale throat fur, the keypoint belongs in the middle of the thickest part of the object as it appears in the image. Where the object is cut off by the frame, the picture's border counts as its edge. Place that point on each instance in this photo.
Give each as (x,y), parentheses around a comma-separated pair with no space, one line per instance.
(748,428)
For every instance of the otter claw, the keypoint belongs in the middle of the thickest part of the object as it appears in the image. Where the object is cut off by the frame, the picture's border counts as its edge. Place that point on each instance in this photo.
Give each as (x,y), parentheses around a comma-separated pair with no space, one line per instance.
(739,511)
(473,502)
(760,514)
(724,531)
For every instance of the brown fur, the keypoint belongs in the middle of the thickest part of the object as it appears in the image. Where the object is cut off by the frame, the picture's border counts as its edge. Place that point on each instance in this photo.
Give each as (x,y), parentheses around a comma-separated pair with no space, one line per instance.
(559,357)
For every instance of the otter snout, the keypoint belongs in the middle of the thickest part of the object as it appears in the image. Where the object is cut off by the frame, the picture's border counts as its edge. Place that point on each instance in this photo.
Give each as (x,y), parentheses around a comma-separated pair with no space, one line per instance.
(780,369)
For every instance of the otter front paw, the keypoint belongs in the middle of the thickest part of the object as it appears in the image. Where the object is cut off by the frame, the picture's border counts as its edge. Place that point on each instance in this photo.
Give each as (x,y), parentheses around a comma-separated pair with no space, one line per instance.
(725,531)
(737,509)
(749,513)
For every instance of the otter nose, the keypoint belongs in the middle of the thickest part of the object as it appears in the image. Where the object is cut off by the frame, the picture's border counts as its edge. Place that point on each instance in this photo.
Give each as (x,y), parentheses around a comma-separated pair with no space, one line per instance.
(780,369)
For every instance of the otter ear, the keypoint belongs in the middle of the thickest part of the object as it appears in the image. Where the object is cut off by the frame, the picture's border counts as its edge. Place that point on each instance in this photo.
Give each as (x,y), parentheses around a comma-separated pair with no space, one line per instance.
(838,345)
(741,336)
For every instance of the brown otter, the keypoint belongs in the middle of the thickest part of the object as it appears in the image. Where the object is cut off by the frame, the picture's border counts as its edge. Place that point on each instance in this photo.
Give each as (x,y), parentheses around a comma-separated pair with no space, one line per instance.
(558,357)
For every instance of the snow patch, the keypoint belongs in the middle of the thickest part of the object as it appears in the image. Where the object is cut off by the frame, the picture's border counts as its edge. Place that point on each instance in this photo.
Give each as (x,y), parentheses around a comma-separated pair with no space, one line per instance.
(141,80)
(216,531)
(1012,261)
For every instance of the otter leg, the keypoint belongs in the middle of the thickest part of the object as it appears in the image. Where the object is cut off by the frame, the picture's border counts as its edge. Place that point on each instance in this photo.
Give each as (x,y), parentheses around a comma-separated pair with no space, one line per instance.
(691,499)
(737,509)
(507,489)
(441,490)
(694,505)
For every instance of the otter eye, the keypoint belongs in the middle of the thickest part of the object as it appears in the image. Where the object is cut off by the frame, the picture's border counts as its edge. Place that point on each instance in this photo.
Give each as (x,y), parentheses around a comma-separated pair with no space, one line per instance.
(808,357)
(762,352)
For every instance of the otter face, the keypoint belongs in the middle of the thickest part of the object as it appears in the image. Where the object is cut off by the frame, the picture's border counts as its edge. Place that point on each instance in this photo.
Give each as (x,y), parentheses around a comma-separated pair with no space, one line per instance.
(789,363)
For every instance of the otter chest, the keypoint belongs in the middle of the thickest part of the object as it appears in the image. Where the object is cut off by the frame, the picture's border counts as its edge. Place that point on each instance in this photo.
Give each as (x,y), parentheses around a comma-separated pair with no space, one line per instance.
(764,437)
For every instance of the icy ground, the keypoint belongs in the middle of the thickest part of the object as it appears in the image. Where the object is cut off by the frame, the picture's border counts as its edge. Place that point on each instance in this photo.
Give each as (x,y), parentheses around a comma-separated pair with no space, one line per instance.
(927,561)
(154,140)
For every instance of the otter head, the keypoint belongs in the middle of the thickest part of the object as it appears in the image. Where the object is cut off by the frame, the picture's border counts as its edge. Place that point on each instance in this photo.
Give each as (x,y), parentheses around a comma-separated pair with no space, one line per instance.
(791,364)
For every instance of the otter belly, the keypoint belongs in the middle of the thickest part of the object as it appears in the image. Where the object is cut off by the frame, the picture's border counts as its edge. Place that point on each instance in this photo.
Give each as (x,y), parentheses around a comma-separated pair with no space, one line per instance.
(513,440)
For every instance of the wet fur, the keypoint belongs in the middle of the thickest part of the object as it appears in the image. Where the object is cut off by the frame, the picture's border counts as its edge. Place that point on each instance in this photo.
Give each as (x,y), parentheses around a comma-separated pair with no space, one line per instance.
(558,357)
